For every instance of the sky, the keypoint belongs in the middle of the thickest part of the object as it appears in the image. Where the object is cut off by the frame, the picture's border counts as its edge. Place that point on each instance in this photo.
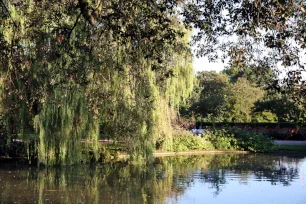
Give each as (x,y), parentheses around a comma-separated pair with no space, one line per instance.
(202,64)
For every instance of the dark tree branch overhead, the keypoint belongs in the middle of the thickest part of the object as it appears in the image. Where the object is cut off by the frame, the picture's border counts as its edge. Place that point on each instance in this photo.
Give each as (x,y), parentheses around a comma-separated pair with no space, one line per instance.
(75,24)
(87,12)
(259,33)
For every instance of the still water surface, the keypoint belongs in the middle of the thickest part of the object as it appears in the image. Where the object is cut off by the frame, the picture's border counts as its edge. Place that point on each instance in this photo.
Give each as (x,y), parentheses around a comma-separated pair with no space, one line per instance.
(228,178)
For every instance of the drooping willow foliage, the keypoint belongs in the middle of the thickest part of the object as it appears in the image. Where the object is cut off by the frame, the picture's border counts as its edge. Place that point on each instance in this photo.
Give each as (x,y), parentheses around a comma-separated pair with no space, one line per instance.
(68,67)
(62,123)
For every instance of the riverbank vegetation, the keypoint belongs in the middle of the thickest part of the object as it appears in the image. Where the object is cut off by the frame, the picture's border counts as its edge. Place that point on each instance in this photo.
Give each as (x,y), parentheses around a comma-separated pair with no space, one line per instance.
(76,71)
(224,139)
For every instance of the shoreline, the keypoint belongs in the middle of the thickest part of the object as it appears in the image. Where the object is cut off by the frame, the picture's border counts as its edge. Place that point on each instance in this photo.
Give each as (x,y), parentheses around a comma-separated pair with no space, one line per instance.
(189,153)
(159,154)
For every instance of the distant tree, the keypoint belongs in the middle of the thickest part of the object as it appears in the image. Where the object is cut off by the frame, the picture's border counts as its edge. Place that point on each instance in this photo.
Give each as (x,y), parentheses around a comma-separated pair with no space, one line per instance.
(242,99)
(256,34)
(259,76)
(264,116)
(285,109)
(212,103)
(219,100)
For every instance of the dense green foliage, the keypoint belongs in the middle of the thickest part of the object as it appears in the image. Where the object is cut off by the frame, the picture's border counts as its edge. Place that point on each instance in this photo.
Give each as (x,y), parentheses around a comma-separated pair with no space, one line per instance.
(68,67)
(213,96)
(223,139)
(216,99)
(237,97)
(184,141)
(281,107)
(263,43)
(236,138)
(258,34)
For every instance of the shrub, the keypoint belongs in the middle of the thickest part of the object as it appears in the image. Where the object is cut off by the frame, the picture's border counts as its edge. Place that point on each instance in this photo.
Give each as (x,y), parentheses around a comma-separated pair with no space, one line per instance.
(221,139)
(184,140)
(240,139)
(224,139)
(252,140)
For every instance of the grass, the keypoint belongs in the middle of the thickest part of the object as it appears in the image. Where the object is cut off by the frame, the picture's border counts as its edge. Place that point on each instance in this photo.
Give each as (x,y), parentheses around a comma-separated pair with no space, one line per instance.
(298,148)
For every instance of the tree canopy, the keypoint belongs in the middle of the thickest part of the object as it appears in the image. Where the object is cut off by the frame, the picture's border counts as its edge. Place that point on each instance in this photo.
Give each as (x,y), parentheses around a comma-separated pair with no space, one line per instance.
(260,34)
(221,100)
(68,66)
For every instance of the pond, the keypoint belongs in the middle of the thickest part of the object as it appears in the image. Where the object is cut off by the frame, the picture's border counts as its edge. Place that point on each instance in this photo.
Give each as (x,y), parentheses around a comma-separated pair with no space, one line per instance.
(224,178)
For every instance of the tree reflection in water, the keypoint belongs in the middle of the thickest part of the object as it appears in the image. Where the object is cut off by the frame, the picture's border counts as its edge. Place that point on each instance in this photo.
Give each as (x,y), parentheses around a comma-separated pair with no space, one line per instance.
(155,183)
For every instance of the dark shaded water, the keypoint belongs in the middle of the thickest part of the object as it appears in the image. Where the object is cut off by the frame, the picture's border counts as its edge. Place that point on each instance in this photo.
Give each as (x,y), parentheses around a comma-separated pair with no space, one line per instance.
(208,179)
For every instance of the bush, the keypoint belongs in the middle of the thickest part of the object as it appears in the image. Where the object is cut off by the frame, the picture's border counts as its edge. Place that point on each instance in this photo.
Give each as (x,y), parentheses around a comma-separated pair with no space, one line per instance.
(221,139)
(252,140)
(184,140)
(240,139)
(15,149)
(225,139)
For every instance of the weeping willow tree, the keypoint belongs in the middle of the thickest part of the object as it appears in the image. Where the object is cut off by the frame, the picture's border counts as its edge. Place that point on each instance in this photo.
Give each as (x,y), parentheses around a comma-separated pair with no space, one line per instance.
(70,66)
(144,92)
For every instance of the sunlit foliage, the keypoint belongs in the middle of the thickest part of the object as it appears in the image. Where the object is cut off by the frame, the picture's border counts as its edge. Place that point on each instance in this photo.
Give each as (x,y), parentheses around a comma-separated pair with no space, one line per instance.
(70,66)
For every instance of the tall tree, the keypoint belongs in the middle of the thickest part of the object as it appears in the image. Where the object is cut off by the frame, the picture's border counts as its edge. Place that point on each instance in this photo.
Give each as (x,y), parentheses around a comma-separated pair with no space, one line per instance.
(220,100)
(286,109)
(262,77)
(70,65)
(242,99)
(213,101)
